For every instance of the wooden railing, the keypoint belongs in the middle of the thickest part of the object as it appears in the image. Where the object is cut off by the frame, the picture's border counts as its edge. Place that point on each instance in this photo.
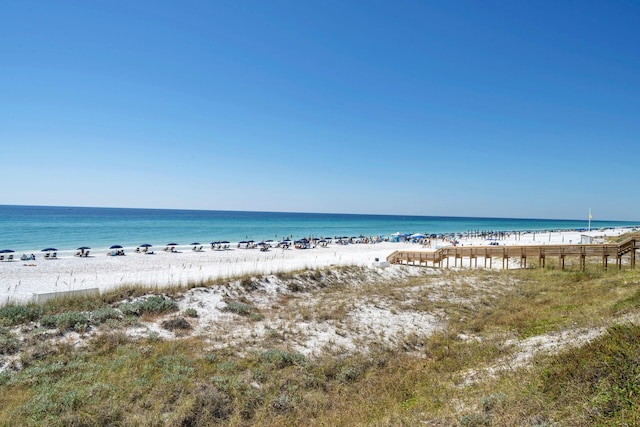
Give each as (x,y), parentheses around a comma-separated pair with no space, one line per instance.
(627,247)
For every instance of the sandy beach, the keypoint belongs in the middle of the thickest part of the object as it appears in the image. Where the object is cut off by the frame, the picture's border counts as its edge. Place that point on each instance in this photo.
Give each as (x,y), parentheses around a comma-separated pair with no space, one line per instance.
(21,280)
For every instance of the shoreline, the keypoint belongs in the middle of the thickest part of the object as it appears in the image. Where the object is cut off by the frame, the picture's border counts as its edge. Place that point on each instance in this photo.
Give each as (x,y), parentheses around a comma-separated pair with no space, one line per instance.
(21,280)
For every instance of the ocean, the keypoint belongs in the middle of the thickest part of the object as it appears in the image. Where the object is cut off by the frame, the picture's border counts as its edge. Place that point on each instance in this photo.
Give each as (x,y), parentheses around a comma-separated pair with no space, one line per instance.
(32,228)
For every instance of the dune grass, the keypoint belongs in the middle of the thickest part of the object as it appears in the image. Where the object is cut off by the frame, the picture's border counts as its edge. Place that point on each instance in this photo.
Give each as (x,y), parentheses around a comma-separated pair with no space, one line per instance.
(459,376)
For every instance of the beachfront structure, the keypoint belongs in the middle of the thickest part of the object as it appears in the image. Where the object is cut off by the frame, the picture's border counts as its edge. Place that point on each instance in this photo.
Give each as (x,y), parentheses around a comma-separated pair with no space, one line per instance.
(626,248)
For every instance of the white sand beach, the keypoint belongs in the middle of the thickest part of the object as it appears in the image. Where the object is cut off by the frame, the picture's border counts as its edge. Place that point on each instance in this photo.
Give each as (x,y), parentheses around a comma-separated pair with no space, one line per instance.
(21,280)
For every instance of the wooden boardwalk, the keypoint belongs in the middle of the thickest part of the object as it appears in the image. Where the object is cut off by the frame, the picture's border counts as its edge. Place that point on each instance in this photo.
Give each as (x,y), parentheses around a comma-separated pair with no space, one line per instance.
(603,252)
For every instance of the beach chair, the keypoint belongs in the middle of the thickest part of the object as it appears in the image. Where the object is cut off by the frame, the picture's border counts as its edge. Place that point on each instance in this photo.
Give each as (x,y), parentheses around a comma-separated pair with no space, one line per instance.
(47,255)
(54,255)
(195,249)
(137,250)
(10,258)
(78,253)
(1,257)
(86,254)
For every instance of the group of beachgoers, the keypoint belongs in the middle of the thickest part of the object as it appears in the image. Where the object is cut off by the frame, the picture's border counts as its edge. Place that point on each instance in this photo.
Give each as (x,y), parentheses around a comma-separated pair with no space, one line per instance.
(431,241)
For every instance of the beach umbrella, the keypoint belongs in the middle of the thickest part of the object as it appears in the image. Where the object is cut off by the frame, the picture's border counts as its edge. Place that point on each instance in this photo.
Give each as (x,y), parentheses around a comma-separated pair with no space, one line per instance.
(417,236)
(194,244)
(6,251)
(49,250)
(172,244)
(145,245)
(215,243)
(224,241)
(83,248)
(116,247)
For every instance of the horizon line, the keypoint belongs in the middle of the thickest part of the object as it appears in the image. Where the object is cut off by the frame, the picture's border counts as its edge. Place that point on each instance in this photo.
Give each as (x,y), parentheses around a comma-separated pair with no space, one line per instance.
(320,213)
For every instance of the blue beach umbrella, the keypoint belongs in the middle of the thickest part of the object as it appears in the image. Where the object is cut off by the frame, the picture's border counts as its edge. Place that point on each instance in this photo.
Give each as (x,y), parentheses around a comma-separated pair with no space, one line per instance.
(7,251)
(83,248)
(145,245)
(172,244)
(49,250)
(194,244)
(116,247)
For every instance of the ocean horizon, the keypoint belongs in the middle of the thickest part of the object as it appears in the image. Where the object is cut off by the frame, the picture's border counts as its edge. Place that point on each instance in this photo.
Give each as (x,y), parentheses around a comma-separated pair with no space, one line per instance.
(32,228)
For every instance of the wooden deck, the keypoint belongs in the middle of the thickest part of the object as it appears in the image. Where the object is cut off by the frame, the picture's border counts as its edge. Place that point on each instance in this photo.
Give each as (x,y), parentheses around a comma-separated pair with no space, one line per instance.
(542,253)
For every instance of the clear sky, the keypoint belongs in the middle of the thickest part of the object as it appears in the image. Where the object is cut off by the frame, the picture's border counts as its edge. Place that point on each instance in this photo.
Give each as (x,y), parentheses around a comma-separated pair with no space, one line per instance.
(464,108)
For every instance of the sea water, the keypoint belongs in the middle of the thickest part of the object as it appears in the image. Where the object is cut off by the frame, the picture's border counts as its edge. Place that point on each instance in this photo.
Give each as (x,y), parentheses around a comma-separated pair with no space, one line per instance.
(32,228)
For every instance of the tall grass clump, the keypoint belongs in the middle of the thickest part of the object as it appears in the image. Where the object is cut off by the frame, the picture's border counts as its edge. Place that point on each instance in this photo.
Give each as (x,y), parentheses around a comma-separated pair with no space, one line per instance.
(600,381)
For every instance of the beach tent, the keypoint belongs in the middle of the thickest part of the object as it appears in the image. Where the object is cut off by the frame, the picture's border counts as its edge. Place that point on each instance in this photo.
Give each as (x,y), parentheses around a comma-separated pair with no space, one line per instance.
(50,256)
(82,252)
(6,251)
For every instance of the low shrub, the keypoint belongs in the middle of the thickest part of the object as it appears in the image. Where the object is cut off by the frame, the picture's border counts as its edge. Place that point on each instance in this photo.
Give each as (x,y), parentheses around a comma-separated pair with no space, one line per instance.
(71,320)
(177,323)
(103,314)
(153,305)
(281,358)
(9,344)
(17,314)
(191,312)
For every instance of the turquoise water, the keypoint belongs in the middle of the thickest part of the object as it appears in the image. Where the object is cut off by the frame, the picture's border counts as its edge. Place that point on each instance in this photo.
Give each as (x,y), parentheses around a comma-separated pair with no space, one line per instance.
(32,228)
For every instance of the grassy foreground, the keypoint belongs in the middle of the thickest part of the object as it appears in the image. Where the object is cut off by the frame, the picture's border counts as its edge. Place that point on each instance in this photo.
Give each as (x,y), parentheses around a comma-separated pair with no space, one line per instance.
(487,365)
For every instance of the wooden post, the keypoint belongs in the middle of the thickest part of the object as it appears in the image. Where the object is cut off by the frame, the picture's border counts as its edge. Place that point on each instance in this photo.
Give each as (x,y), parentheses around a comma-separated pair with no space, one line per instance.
(561,262)
(604,262)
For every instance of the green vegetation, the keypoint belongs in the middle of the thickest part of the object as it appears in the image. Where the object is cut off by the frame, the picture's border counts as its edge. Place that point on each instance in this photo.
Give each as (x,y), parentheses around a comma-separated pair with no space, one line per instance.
(471,371)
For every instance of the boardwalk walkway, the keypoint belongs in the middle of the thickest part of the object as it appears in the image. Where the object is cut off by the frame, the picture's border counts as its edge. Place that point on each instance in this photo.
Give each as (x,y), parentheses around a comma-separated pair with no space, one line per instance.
(626,248)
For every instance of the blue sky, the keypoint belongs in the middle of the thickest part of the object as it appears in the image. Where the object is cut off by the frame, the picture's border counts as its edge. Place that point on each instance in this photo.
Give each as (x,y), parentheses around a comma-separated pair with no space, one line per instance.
(462,108)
